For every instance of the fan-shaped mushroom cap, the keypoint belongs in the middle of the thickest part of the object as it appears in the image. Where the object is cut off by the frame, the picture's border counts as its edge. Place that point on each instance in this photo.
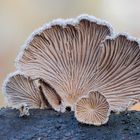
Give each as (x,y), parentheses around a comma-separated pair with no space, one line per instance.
(21,92)
(93,109)
(64,54)
(118,76)
(52,97)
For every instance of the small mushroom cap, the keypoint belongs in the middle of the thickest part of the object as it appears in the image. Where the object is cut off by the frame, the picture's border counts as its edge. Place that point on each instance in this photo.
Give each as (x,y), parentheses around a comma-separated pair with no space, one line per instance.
(93,109)
(20,90)
(52,97)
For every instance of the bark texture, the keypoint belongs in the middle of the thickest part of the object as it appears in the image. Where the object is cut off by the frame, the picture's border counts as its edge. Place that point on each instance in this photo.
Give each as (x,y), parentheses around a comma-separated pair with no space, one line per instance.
(51,125)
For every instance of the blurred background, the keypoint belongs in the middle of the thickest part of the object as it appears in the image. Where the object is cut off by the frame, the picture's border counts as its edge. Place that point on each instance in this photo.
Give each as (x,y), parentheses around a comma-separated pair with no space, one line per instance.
(19,18)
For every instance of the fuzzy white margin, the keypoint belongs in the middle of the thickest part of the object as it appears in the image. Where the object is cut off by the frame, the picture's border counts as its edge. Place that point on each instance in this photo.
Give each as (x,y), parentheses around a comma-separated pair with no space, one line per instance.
(125,34)
(63,23)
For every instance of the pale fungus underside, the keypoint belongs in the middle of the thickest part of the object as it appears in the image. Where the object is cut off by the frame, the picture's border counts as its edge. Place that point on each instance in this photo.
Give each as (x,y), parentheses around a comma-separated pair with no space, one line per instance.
(92,109)
(73,65)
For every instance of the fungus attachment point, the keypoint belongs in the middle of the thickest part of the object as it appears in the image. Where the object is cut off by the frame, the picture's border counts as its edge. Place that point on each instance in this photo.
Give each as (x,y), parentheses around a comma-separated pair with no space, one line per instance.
(68,108)
(24,110)
(93,109)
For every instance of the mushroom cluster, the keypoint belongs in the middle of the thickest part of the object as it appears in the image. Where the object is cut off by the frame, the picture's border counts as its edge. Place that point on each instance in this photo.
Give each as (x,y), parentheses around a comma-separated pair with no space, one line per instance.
(78,65)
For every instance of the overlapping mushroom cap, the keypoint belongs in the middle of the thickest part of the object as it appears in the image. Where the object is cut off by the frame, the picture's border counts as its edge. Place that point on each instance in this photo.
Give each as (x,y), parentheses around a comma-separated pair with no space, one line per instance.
(74,57)
(52,97)
(20,90)
(119,71)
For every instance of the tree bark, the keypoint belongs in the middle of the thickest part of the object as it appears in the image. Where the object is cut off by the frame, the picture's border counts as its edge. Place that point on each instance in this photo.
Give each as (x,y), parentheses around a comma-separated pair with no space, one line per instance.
(51,125)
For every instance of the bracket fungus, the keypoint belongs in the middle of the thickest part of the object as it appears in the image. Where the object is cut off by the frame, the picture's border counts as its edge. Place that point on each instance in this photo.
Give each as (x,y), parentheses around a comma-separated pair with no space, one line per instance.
(65,55)
(71,58)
